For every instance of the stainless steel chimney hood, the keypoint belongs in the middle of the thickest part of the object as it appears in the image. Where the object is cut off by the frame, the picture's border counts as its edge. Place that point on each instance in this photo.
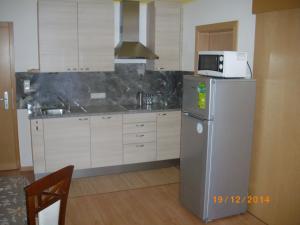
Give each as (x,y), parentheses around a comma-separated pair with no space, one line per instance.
(129,46)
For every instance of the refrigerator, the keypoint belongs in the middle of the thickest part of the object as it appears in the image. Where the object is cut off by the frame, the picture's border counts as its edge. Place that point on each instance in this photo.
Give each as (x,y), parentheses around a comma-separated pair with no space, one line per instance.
(216,139)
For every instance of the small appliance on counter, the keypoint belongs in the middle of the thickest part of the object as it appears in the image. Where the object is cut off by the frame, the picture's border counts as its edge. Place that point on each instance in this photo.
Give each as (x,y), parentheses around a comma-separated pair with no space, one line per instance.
(216,139)
(225,64)
(148,99)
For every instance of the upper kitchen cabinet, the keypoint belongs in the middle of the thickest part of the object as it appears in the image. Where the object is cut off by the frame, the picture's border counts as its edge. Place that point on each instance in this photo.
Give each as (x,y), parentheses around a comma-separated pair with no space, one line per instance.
(76,35)
(58,44)
(96,35)
(168,34)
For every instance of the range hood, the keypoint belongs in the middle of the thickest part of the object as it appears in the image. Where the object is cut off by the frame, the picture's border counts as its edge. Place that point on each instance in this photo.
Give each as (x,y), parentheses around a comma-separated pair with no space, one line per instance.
(130,46)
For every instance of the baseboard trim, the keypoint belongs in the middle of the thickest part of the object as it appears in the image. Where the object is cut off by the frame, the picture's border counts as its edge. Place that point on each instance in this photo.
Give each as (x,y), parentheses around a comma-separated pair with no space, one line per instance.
(26,168)
(119,169)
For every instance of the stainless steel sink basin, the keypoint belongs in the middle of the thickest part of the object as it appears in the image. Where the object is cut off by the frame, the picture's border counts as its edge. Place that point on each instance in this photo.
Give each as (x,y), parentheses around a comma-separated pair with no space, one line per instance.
(53,111)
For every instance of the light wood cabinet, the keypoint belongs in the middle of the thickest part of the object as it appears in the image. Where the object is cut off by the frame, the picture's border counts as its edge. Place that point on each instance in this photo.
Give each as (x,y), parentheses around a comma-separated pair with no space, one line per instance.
(58,35)
(106,140)
(168,135)
(168,34)
(37,145)
(76,35)
(139,137)
(67,141)
(96,35)
(141,152)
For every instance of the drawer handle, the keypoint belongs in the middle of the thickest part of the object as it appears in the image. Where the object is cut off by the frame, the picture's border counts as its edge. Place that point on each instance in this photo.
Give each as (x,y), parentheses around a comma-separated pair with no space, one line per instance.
(140,135)
(83,119)
(140,125)
(36,128)
(163,114)
(139,146)
(106,117)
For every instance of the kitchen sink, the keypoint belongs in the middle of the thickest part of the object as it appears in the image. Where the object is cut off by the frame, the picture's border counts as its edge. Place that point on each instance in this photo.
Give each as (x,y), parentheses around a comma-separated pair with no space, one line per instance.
(53,111)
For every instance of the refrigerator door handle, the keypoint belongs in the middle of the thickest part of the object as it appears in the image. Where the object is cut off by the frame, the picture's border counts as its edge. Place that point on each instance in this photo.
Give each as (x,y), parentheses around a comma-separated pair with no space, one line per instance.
(194,116)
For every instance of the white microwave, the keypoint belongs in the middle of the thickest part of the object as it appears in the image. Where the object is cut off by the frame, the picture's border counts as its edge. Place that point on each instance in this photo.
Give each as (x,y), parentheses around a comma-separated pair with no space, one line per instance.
(226,64)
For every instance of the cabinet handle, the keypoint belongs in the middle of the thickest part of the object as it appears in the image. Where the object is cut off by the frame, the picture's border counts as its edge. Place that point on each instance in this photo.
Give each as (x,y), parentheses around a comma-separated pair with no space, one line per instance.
(81,68)
(74,69)
(83,119)
(87,69)
(106,117)
(68,69)
(140,135)
(163,114)
(140,125)
(36,128)
(139,146)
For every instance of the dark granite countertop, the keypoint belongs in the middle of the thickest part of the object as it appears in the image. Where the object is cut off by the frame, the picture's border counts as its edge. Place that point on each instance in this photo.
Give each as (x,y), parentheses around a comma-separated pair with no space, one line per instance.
(93,110)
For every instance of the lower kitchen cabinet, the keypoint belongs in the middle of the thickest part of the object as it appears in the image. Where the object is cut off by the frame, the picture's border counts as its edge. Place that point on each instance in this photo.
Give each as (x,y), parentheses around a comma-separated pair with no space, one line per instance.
(37,144)
(168,135)
(139,137)
(67,141)
(140,152)
(106,140)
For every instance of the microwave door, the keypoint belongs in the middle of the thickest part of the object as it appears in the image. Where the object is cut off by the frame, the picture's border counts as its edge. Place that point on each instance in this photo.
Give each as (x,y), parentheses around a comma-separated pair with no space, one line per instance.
(198,96)
(208,62)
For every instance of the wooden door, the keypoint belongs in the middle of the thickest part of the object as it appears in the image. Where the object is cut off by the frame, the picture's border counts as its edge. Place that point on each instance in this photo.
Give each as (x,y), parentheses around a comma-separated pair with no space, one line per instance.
(275,169)
(58,35)
(9,153)
(96,35)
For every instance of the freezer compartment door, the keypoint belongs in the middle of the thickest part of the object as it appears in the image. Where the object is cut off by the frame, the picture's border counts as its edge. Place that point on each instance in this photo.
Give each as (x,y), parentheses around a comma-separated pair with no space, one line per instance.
(198,96)
(194,142)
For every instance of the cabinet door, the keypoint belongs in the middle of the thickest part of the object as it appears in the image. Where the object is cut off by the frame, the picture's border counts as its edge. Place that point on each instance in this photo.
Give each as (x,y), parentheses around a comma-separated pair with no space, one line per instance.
(168,135)
(58,45)
(106,140)
(37,144)
(167,34)
(67,141)
(96,35)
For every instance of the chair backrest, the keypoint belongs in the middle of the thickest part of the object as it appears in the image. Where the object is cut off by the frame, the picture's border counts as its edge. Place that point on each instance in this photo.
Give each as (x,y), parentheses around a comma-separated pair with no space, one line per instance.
(47,194)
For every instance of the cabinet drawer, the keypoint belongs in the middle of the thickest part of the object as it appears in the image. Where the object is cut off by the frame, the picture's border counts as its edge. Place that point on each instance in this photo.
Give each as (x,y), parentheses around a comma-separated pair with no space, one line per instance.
(142,152)
(139,127)
(139,137)
(139,117)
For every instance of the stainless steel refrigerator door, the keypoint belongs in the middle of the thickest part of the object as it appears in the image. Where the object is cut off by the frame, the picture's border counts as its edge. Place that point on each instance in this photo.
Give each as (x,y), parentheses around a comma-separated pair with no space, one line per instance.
(192,94)
(231,147)
(193,158)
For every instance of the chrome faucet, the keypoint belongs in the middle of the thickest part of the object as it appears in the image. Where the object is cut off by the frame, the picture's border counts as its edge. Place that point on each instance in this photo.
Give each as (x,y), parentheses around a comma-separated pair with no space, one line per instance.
(65,103)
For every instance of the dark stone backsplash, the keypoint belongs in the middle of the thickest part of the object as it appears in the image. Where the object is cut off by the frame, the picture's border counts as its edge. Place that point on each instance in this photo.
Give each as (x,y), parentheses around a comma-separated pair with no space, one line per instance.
(120,86)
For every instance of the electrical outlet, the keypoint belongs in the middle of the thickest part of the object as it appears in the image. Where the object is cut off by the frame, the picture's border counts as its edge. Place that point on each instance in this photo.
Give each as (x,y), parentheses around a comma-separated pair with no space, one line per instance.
(26,86)
(100,95)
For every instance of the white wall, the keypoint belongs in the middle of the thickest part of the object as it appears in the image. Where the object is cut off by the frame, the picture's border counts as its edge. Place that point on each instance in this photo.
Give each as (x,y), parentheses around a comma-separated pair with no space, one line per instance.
(23,14)
(201,12)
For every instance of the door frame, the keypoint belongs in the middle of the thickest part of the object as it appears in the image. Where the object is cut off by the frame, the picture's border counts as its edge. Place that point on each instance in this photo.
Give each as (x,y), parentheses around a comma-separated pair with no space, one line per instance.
(13,89)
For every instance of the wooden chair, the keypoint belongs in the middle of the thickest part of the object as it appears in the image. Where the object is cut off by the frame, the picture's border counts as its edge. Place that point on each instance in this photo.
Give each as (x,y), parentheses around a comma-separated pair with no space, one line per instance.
(49,195)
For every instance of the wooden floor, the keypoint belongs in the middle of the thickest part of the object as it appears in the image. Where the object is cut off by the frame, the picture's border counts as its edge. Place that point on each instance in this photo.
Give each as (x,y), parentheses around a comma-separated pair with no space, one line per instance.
(123,181)
(146,206)
(157,205)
